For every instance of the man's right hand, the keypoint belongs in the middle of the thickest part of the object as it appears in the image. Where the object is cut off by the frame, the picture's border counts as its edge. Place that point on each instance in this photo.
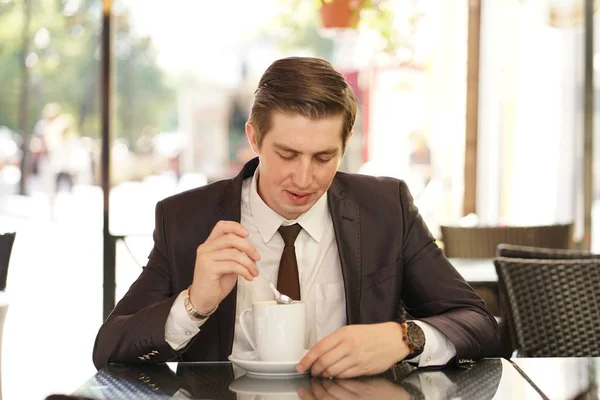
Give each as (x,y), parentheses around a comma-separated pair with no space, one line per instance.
(226,254)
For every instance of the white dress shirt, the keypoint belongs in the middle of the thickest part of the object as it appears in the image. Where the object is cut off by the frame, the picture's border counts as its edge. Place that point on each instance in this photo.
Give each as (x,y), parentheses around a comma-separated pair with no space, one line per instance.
(321,280)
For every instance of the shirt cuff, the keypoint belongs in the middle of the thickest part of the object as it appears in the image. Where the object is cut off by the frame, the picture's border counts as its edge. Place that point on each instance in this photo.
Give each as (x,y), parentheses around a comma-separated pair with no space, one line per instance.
(438,348)
(180,327)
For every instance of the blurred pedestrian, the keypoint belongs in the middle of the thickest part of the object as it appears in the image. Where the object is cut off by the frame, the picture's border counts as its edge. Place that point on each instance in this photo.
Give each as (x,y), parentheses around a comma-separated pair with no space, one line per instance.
(62,143)
(37,144)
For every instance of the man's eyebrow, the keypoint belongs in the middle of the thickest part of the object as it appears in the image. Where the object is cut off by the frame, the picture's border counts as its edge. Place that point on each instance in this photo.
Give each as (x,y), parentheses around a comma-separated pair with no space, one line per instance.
(328,152)
(283,147)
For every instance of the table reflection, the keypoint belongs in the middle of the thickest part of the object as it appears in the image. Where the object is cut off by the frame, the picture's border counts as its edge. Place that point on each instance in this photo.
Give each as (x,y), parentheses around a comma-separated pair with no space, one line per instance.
(563,378)
(488,379)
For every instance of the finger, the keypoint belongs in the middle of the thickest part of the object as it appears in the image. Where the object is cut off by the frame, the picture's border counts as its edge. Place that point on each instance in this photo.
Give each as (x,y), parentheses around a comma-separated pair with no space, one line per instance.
(352,385)
(322,347)
(237,256)
(330,358)
(231,267)
(319,390)
(327,383)
(336,390)
(305,394)
(225,227)
(352,372)
(230,240)
(337,369)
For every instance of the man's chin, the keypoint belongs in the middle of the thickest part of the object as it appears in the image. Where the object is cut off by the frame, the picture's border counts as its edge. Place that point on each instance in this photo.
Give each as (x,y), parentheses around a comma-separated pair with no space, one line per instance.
(293,211)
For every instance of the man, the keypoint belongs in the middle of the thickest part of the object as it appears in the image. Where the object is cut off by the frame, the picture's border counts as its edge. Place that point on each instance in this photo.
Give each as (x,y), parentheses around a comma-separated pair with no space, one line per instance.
(360,249)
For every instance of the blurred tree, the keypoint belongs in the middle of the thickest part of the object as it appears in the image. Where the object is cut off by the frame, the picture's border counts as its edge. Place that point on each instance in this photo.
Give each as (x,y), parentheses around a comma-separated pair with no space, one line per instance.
(11,20)
(301,24)
(63,62)
(296,28)
(144,97)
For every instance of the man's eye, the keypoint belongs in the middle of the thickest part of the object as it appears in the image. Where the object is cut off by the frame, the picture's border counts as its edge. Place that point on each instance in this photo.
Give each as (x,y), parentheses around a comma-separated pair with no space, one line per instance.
(323,160)
(286,157)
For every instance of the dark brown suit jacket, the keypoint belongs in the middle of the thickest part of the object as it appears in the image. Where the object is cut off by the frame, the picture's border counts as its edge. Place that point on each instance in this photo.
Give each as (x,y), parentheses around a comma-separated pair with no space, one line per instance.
(387,255)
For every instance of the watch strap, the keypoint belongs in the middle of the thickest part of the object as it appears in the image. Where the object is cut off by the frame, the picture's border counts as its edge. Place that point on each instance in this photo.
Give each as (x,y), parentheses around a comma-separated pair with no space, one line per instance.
(191,310)
(414,350)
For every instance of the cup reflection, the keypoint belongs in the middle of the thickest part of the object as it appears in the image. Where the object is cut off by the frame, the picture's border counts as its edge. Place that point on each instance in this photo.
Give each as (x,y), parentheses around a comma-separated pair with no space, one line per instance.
(306,388)
(256,388)
(479,382)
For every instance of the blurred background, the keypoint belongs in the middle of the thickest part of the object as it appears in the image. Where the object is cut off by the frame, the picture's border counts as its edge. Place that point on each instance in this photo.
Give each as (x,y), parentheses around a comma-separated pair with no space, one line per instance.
(478,104)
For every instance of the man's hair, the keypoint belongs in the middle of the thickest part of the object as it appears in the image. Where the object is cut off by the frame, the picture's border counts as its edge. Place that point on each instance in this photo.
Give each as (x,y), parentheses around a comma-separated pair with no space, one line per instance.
(307,86)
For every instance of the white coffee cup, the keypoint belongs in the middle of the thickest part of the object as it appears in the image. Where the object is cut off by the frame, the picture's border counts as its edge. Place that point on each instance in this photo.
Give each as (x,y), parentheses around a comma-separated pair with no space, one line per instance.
(279,330)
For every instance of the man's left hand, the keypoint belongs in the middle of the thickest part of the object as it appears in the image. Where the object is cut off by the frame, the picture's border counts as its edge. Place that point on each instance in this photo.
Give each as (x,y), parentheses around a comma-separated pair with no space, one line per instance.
(356,350)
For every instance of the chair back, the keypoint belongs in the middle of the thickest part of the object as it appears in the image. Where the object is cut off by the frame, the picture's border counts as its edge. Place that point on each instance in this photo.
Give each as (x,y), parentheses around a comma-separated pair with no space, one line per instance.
(482,241)
(553,306)
(527,252)
(6,244)
(541,253)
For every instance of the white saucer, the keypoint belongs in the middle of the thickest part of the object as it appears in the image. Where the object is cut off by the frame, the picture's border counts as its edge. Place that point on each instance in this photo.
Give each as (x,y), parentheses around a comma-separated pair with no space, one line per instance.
(250,362)
(254,385)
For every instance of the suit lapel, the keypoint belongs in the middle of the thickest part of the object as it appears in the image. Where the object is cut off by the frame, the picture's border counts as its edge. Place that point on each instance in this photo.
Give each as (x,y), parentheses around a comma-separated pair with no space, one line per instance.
(229,209)
(346,224)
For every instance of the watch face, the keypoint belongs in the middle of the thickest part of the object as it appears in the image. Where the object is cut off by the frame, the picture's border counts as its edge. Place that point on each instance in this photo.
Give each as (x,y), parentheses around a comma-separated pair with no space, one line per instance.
(416,335)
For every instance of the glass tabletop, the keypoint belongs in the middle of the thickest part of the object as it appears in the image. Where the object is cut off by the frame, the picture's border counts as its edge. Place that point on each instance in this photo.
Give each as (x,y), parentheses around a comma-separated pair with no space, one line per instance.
(487,379)
(475,269)
(563,378)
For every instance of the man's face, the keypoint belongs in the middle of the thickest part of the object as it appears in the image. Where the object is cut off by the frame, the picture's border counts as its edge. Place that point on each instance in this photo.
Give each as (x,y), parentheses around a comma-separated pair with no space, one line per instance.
(298,160)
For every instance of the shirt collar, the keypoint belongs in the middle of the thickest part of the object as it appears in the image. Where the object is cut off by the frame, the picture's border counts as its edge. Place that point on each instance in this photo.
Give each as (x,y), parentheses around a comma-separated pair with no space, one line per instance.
(268,221)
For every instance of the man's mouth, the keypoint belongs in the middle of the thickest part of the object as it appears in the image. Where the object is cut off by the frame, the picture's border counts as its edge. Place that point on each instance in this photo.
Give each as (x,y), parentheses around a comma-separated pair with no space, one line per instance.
(298,197)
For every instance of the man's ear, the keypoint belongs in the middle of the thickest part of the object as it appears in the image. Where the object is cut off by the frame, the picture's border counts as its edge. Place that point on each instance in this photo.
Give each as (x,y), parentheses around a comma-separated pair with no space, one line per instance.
(251,135)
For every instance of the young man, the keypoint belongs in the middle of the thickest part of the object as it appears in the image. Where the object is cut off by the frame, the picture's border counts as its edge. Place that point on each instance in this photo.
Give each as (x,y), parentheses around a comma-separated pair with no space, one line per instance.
(355,248)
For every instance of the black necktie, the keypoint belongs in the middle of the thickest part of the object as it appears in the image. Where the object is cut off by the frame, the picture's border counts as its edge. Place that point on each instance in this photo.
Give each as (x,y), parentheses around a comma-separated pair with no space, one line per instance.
(288,280)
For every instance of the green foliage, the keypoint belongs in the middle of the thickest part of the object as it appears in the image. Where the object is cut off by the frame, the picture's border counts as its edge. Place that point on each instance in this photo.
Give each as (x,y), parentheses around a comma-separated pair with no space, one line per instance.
(67,70)
(301,16)
(297,28)
(10,24)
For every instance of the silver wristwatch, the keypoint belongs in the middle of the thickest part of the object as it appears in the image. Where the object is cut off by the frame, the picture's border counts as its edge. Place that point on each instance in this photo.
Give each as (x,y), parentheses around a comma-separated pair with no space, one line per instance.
(191,310)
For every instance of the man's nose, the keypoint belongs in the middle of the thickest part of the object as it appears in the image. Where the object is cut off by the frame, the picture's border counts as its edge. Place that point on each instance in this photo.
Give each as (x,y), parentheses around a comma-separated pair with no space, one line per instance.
(303,175)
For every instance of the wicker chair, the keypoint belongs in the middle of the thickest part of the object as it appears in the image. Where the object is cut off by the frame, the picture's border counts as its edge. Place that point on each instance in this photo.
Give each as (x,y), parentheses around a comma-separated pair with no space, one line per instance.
(481,241)
(6,244)
(539,253)
(554,306)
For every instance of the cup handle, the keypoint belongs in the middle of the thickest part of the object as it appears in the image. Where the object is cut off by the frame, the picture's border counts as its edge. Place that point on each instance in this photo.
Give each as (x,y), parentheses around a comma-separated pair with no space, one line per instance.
(245,327)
